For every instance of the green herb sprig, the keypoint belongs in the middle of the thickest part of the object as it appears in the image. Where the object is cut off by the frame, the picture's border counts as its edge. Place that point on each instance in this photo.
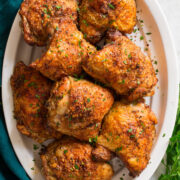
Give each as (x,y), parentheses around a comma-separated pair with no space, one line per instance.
(172,163)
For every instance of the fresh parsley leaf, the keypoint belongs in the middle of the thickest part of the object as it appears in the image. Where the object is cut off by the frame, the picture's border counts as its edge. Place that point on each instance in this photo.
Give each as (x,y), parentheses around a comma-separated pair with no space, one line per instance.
(172,164)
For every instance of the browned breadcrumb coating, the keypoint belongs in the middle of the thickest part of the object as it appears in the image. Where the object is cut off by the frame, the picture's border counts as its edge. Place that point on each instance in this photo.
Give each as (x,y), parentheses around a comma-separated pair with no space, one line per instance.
(122,66)
(96,16)
(65,54)
(30,92)
(40,18)
(69,159)
(129,131)
(77,107)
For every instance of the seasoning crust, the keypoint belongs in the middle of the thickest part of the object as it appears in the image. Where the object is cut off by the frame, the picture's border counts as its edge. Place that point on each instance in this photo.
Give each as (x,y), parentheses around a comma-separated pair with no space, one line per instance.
(71,159)
(129,131)
(30,92)
(40,18)
(77,107)
(122,66)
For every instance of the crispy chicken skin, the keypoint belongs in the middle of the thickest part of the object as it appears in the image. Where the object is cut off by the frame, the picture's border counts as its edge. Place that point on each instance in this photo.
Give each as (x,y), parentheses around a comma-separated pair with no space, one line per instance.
(102,154)
(96,16)
(122,66)
(66,52)
(40,18)
(70,159)
(30,92)
(129,130)
(77,107)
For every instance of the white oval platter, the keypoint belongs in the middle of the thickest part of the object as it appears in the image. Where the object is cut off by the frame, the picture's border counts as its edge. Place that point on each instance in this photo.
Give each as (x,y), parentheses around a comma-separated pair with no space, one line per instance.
(163,103)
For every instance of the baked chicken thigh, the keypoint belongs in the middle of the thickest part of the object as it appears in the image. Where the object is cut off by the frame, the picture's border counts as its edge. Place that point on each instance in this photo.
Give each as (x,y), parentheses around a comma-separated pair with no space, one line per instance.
(129,131)
(96,16)
(65,54)
(41,18)
(77,107)
(30,92)
(122,66)
(69,159)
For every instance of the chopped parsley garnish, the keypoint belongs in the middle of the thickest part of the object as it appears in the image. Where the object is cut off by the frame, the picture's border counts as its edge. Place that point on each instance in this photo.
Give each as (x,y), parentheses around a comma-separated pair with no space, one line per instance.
(111,6)
(35,146)
(125,62)
(142,37)
(85,22)
(32,84)
(164,135)
(118,149)
(104,60)
(135,30)
(45,10)
(93,140)
(122,82)
(37,96)
(142,124)
(85,35)
(88,100)
(129,56)
(111,21)
(130,130)
(125,51)
(148,33)
(132,136)
(78,78)
(65,151)
(79,44)
(58,7)
(76,166)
